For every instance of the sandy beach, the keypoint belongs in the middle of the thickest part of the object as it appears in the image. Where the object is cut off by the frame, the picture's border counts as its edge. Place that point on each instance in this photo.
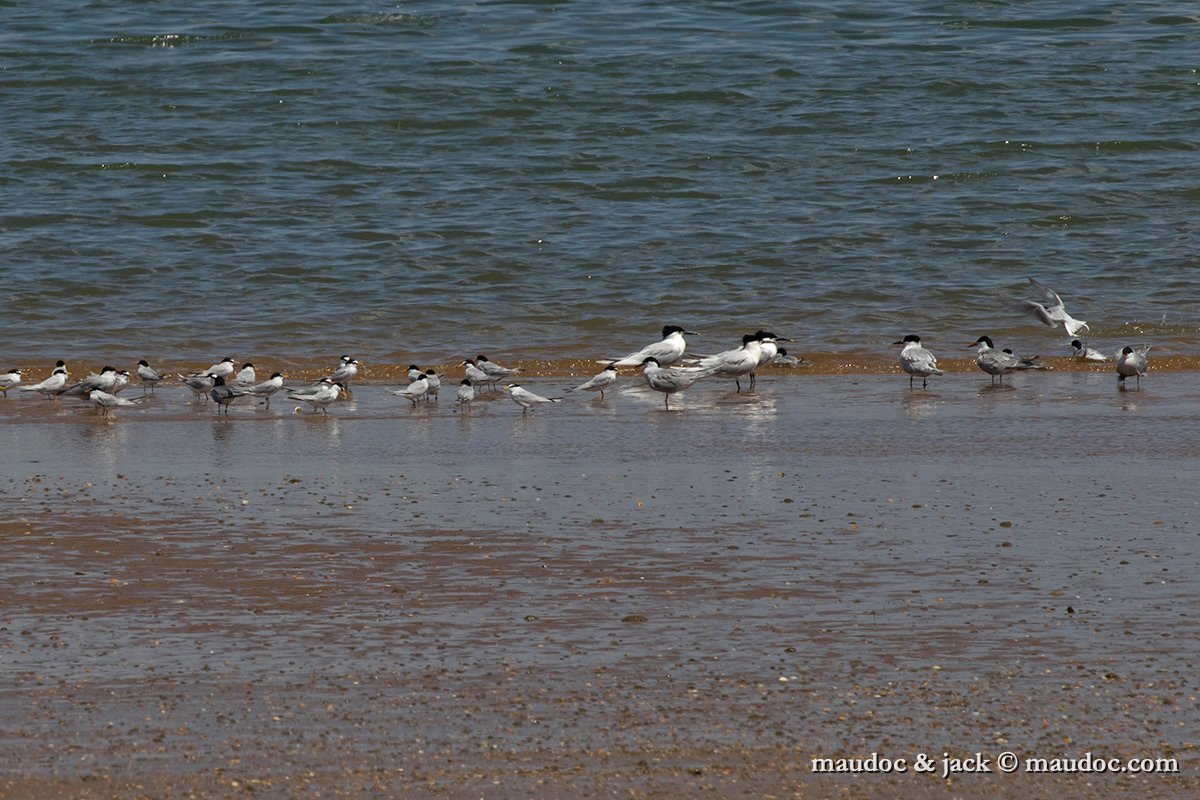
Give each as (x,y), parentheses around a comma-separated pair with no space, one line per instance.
(602,598)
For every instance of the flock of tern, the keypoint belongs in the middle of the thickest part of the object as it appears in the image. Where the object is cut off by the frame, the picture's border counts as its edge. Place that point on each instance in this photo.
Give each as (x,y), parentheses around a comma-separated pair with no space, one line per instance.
(918,362)
(664,364)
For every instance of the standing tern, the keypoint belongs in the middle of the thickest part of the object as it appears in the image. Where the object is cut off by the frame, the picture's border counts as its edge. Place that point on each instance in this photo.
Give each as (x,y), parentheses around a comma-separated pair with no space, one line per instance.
(477,376)
(736,363)
(200,385)
(148,375)
(121,381)
(320,395)
(107,402)
(415,390)
(435,384)
(224,394)
(493,369)
(9,379)
(1131,363)
(346,370)
(52,385)
(999,363)
(1051,312)
(1084,353)
(666,352)
(670,380)
(414,372)
(916,360)
(527,399)
(466,393)
(599,382)
(267,387)
(770,348)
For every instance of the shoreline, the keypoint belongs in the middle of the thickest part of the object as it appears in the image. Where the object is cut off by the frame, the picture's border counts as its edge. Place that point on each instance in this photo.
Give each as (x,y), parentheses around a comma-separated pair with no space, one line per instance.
(533,367)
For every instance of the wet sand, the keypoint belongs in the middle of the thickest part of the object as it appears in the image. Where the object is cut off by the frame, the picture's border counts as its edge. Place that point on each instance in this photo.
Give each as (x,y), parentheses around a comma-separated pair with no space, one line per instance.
(603,598)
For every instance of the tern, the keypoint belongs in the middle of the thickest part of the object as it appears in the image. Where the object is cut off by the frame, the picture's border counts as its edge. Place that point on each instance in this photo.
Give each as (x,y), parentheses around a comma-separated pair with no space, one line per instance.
(527,399)
(466,393)
(916,360)
(9,379)
(320,395)
(599,382)
(666,352)
(999,363)
(1131,363)
(120,381)
(52,385)
(223,394)
(415,390)
(267,387)
(478,376)
(1051,312)
(435,384)
(245,375)
(770,348)
(493,369)
(414,372)
(736,363)
(224,368)
(104,381)
(148,375)
(200,385)
(1085,353)
(782,359)
(346,370)
(107,402)
(670,380)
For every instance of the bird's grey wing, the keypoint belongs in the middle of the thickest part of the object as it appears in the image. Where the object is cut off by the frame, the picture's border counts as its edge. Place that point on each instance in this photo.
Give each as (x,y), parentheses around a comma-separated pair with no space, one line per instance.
(1049,295)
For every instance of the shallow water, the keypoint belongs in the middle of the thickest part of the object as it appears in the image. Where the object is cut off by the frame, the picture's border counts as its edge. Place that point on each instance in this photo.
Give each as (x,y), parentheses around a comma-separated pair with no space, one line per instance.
(891,517)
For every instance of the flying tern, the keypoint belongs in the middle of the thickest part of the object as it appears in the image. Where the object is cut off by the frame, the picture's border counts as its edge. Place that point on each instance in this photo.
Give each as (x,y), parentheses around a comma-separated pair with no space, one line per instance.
(1051,312)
